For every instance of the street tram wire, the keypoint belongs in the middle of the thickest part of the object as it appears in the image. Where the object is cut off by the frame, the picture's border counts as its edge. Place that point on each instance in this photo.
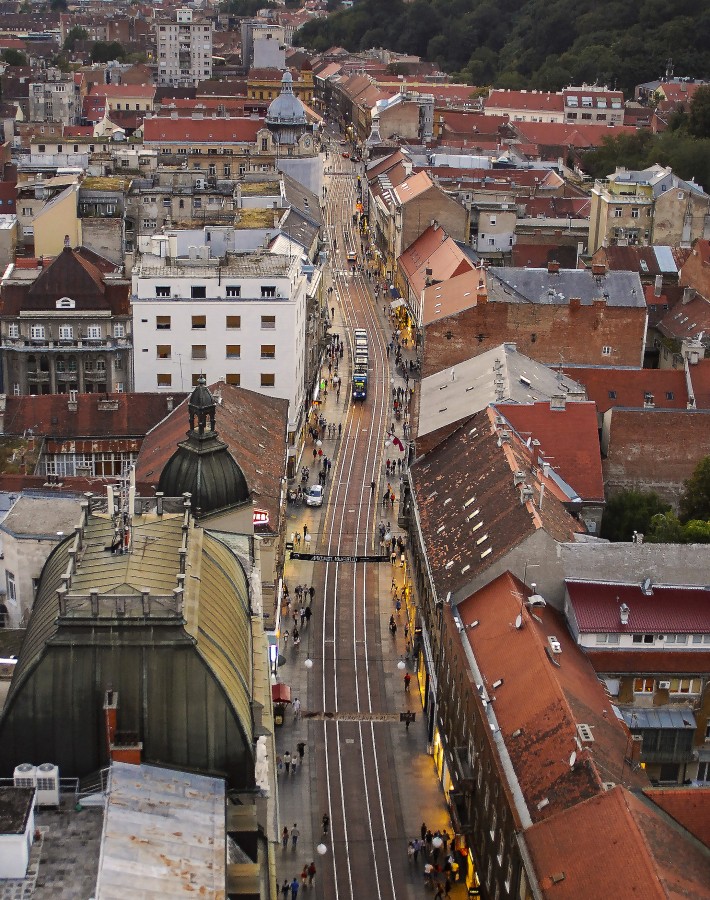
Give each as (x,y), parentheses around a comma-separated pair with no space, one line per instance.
(353,293)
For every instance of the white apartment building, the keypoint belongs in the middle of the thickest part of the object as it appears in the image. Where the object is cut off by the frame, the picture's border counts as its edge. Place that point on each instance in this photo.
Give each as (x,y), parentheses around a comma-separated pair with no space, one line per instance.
(184,49)
(203,304)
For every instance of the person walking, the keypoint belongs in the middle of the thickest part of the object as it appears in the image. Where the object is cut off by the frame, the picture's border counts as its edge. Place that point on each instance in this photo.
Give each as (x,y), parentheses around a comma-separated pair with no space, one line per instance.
(447,887)
(286,638)
(305,533)
(284,837)
(372,488)
(301,750)
(308,614)
(304,876)
(295,834)
(311,874)
(423,830)
(311,592)
(287,764)
(407,680)
(417,847)
(285,888)
(294,888)
(296,709)
(326,823)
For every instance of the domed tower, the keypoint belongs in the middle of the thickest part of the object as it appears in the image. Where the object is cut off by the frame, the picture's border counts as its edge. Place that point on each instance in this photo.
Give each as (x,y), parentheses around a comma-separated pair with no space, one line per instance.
(202,465)
(286,117)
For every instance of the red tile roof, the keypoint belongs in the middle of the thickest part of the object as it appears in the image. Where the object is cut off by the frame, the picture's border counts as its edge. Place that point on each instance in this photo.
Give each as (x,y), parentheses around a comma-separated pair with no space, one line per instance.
(121,91)
(435,251)
(687,319)
(650,662)
(248,422)
(538,705)
(567,135)
(690,807)
(161,129)
(700,378)
(682,610)
(569,441)
(629,387)
(630,852)
(541,101)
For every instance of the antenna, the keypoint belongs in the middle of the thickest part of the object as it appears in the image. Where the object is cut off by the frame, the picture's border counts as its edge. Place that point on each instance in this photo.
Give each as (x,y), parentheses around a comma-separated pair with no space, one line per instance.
(519,621)
(572,759)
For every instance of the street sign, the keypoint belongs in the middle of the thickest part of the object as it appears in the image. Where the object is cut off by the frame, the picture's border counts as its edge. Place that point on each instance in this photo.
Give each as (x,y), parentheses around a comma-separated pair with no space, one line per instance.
(324,557)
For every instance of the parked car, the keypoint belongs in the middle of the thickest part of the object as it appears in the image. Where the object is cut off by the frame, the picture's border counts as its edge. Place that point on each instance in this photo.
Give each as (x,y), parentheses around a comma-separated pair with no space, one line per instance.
(314,497)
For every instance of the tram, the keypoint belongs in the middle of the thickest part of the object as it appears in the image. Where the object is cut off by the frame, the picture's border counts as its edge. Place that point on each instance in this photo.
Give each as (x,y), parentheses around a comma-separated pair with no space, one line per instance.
(361,360)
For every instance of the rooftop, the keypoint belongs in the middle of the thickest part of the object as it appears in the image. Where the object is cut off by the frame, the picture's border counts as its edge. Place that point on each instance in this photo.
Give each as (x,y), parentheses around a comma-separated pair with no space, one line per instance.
(609,387)
(525,285)
(16,804)
(681,610)
(165,831)
(42,518)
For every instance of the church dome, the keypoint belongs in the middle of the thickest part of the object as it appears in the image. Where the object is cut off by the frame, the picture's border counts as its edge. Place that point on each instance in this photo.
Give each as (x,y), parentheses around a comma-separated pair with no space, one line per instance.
(202,465)
(286,109)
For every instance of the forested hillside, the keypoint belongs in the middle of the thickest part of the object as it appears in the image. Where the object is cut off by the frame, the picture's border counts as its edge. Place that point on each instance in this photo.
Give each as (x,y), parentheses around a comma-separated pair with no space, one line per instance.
(543,44)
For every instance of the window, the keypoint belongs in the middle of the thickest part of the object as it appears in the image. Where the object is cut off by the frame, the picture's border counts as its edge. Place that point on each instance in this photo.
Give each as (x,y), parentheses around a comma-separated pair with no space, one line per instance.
(268,379)
(268,321)
(634,212)
(199,351)
(268,291)
(165,380)
(198,292)
(685,686)
(13,331)
(233,290)
(233,378)
(676,638)
(612,395)
(227,171)
(199,322)
(618,212)
(119,331)
(37,332)
(163,351)
(607,638)
(669,395)
(234,351)
(493,220)
(11,587)
(643,685)
(66,333)
(197,203)
(643,639)
(587,116)
(162,323)
(93,332)
(234,321)
(606,351)
(268,351)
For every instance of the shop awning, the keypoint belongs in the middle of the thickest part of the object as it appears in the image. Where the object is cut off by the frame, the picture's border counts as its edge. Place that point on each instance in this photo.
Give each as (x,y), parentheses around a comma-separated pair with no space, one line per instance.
(280,693)
(395,304)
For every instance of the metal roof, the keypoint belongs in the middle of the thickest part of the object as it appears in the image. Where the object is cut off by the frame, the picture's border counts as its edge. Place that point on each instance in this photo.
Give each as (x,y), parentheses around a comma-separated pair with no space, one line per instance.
(659,718)
(558,288)
(164,835)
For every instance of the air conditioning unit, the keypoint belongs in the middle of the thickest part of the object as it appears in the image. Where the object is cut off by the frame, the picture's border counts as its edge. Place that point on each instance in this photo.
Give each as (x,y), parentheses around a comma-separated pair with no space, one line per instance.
(47,785)
(664,685)
(25,775)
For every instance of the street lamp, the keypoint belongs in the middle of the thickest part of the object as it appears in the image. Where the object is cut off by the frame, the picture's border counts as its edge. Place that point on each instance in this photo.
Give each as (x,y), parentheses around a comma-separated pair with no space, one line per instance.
(308,663)
(321,849)
(401,665)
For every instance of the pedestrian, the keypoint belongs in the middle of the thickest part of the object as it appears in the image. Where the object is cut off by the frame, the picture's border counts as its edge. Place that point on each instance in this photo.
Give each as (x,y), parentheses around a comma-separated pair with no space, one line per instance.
(285,888)
(393,627)
(407,679)
(308,614)
(427,840)
(295,834)
(417,848)
(428,874)
(398,605)
(305,536)
(296,709)
(284,837)
(410,851)
(304,876)
(294,888)
(303,616)
(287,765)
(296,637)
(393,557)
(311,874)
(340,428)
(392,499)
(311,592)
(439,892)
(286,638)
(423,830)
(447,887)
(372,488)
(326,823)
(300,749)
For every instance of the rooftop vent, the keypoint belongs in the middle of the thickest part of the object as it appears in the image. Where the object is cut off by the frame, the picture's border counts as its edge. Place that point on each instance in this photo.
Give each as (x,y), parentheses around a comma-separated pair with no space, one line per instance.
(518,477)
(585,733)
(555,645)
(624,614)
(647,587)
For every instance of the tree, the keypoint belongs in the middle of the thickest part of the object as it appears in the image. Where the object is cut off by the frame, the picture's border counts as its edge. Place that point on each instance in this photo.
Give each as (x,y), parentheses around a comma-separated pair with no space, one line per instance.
(77,33)
(14,57)
(61,5)
(106,52)
(630,511)
(695,500)
(699,116)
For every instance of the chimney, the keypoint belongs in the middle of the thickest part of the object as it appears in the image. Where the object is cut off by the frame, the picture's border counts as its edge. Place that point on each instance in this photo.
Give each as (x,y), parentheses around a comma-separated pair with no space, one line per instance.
(658,286)
(688,295)
(171,403)
(624,613)
(553,267)
(598,269)
(599,302)
(575,303)
(558,402)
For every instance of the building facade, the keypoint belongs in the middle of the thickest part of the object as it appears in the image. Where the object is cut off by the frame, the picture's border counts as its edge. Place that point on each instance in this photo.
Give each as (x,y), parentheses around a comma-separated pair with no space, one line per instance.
(66,326)
(184,49)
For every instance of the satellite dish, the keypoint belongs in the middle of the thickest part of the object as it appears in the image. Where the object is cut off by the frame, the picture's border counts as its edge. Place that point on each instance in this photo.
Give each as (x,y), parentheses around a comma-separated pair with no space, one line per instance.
(519,621)
(572,758)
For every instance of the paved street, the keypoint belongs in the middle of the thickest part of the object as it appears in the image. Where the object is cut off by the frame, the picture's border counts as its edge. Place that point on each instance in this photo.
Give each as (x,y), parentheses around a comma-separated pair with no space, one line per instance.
(362,768)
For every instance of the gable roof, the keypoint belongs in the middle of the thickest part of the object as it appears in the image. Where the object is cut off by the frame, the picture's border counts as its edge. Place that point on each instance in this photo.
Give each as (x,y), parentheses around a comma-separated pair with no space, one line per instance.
(689,319)
(569,441)
(230,130)
(688,806)
(609,387)
(541,101)
(499,374)
(434,256)
(540,697)
(682,610)
(412,187)
(469,506)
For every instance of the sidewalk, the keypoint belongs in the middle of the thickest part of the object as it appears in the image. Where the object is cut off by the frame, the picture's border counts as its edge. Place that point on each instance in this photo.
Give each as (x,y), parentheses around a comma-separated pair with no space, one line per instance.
(420,792)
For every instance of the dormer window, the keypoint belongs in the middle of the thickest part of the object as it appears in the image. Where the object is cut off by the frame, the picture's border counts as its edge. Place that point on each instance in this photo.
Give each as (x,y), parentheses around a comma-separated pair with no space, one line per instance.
(65,303)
